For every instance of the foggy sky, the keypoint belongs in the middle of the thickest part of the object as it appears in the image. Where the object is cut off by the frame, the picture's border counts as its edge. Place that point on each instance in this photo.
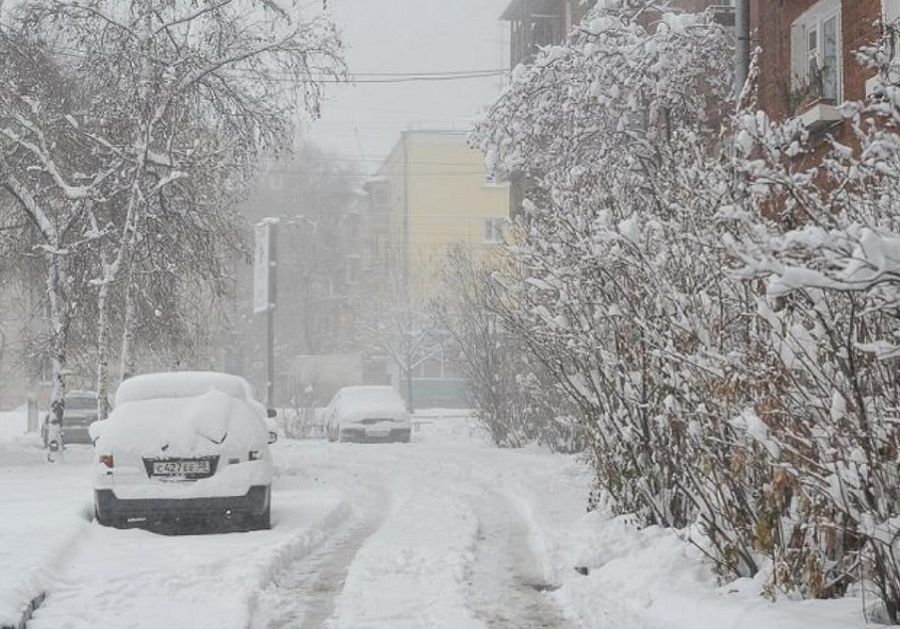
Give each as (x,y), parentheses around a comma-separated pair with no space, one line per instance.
(363,121)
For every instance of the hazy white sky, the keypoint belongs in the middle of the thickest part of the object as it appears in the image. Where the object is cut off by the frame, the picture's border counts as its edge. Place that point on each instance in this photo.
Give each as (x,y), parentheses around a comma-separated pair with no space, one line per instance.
(363,121)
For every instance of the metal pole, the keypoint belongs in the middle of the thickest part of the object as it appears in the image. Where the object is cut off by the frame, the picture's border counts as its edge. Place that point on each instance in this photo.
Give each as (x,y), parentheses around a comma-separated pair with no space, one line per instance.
(270,317)
(742,45)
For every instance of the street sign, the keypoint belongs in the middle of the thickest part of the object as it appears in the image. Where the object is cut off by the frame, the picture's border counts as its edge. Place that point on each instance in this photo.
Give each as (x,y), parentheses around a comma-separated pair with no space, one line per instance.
(264,260)
(262,268)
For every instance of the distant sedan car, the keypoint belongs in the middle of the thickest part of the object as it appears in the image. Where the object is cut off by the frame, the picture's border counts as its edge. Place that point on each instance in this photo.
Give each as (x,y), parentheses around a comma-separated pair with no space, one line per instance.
(80,411)
(367,414)
(184,445)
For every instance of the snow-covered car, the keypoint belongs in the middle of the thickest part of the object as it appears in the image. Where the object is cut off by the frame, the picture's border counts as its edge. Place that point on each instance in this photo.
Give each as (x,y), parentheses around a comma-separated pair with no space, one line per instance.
(80,411)
(367,414)
(184,444)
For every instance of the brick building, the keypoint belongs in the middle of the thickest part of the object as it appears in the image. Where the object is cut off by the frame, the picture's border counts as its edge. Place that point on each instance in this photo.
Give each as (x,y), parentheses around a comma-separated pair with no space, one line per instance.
(807,65)
(538,23)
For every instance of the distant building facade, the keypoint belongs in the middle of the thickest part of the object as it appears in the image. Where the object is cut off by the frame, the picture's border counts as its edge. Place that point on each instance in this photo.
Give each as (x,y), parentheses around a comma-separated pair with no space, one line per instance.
(431,193)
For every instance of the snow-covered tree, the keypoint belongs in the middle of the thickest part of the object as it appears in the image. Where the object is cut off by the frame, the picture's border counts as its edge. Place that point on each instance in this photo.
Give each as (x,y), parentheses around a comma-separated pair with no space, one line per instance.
(401,328)
(513,396)
(41,172)
(179,101)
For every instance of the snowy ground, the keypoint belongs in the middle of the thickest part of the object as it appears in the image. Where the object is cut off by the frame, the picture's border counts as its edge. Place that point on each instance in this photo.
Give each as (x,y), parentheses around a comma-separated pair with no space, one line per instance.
(444,532)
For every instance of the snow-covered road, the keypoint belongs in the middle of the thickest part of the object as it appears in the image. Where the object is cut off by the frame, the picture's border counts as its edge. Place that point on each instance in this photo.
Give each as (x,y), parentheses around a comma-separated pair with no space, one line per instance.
(410,535)
(443,533)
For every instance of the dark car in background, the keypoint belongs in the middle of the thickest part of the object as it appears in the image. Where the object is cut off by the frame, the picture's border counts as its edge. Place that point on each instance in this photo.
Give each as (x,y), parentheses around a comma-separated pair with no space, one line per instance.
(81,410)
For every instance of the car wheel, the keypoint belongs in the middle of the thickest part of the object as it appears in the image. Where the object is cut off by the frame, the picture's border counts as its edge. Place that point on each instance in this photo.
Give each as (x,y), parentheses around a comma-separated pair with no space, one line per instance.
(261,522)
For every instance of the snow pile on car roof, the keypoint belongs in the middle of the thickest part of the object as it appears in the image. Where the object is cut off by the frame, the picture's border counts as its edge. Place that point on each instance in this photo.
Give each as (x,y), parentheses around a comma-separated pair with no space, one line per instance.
(186,426)
(180,384)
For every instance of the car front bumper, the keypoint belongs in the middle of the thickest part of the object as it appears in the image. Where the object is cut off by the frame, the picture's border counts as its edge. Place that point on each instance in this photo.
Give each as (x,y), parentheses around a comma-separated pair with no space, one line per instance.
(110,507)
(359,435)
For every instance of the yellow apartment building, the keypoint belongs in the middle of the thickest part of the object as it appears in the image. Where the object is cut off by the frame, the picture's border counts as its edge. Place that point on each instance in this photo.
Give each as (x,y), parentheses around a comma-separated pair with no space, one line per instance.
(431,193)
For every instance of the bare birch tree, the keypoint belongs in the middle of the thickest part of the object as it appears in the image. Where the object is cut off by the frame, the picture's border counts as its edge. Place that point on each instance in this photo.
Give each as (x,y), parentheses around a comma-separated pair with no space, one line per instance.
(186,96)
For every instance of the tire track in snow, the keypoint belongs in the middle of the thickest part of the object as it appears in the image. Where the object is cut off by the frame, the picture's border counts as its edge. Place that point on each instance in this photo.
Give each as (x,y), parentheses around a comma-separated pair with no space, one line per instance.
(303,595)
(506,588)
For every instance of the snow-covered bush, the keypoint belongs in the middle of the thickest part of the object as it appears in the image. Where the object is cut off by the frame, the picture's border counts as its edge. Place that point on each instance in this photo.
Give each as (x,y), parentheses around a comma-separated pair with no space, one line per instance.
(722,316)
(513,396)
(830,264)
(620,285)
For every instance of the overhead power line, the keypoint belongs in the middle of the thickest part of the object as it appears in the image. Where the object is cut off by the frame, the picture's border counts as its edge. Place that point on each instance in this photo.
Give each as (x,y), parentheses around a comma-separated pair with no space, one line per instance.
(356,77)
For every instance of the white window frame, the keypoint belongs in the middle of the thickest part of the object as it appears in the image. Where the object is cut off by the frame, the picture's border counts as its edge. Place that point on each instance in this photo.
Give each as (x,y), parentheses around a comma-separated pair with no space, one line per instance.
(803,59)
(493,230)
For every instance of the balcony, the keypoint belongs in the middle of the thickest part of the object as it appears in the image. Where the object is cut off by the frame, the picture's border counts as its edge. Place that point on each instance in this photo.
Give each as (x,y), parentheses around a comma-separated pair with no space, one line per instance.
(534,24)
(818,96)
(820,115)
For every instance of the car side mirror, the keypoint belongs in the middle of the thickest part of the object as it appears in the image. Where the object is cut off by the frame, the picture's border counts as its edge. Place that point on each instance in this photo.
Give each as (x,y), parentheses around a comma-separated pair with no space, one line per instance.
(273,437)
(271,413)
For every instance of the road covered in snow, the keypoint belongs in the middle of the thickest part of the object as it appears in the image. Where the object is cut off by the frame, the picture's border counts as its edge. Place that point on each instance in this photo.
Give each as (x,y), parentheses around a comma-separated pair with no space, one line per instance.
(445,532)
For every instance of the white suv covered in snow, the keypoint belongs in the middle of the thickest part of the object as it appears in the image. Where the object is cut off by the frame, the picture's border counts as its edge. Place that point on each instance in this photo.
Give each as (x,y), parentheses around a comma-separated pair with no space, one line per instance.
(367,413)
(184,444)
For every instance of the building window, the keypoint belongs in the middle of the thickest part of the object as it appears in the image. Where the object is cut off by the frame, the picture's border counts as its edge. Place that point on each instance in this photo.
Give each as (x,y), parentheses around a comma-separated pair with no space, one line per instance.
(817,62)
(354,269)
(493,230)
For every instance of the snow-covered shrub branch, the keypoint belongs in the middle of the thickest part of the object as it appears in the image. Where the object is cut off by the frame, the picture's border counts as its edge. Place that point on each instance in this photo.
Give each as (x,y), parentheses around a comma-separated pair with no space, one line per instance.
(722,315)
(513,396)
(621,287)
(832,292)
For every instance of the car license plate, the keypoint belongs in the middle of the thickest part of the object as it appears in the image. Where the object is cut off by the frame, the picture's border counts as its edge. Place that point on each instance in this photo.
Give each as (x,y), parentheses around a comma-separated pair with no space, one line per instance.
(180,468)
(378,432)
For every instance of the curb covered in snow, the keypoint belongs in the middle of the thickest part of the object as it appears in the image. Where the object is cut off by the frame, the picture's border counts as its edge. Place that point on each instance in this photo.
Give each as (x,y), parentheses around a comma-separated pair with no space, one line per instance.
(27,612)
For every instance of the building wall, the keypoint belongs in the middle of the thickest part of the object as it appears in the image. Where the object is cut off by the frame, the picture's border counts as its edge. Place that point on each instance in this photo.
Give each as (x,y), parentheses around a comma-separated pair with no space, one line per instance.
(449,202)
(771,30)
(438,198)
